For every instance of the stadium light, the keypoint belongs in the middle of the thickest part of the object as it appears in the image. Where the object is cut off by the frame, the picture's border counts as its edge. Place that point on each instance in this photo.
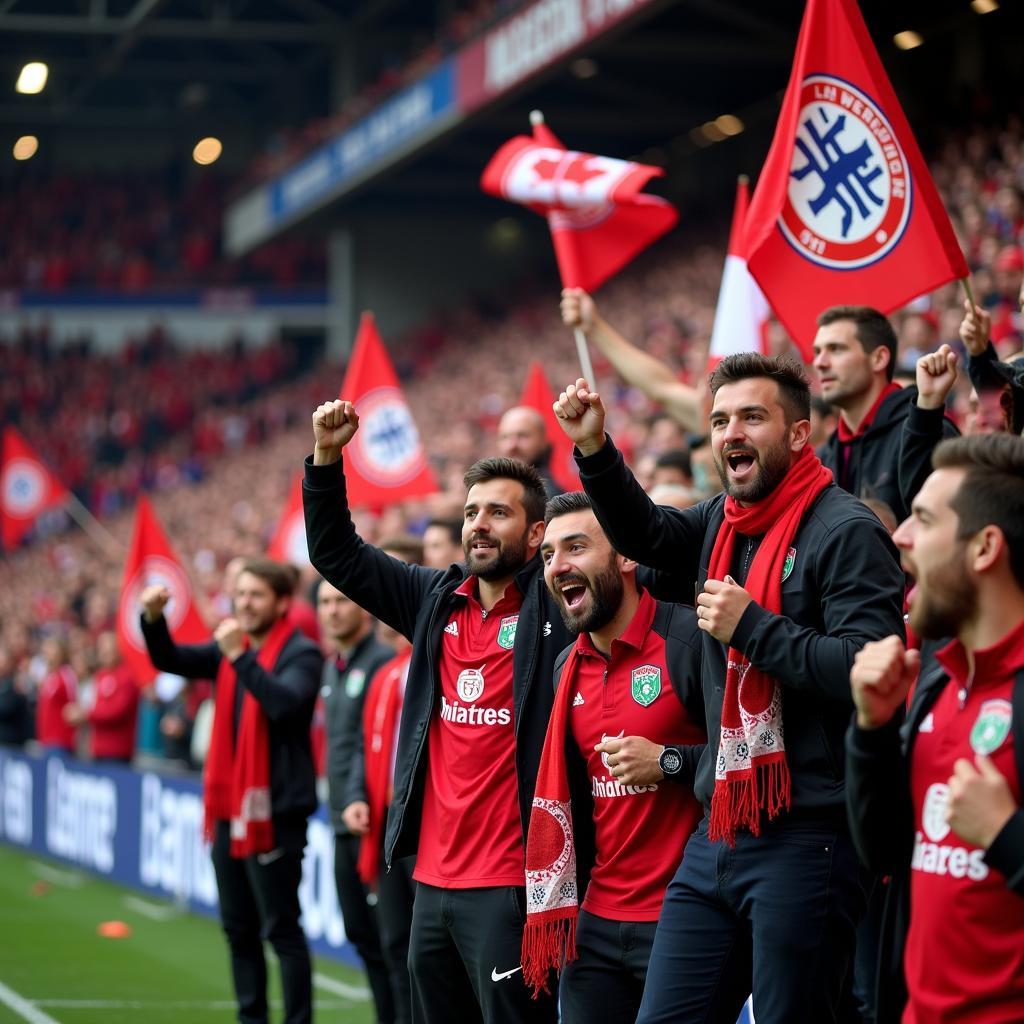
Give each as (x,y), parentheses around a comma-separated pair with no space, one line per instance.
(907,40)
(207,151)
(583,68)
(25,148)
(729,124)
(32,79)
(984,6)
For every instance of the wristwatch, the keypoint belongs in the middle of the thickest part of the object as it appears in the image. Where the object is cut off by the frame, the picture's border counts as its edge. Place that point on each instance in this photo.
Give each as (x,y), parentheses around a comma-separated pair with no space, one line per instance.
(670,763)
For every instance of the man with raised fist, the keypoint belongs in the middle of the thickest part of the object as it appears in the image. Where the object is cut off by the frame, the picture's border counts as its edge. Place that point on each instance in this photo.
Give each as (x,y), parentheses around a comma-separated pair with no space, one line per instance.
(259,785)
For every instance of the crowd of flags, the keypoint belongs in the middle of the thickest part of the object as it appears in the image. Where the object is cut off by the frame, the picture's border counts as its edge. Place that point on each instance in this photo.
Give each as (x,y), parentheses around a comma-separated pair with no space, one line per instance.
(793,250)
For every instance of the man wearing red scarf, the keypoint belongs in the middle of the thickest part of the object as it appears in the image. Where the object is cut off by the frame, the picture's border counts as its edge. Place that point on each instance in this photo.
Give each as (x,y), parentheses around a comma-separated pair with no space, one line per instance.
(793,576)
(855,355)
(259,786)
(935,794)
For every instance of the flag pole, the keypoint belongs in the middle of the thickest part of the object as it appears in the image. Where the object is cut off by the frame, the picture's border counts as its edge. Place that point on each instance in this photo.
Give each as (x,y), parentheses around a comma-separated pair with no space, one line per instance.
(582,351)
(966,282)
(100,534)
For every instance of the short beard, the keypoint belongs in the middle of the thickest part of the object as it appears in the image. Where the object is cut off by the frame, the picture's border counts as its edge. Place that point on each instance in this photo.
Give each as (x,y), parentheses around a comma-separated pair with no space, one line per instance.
(772,466)
(950,598)
(511,558)
(605,600)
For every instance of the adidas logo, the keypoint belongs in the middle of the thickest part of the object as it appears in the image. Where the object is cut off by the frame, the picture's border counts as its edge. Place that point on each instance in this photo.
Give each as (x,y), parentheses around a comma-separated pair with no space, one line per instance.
(452,629)
(578,699)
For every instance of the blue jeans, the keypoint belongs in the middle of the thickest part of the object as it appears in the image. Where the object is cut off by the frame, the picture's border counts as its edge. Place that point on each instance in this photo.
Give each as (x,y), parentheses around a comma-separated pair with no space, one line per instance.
(775,915)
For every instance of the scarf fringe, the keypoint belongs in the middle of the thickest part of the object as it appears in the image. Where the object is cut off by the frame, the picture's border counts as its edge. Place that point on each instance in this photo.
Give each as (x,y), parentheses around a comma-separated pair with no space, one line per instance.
(737,802)
(548,944)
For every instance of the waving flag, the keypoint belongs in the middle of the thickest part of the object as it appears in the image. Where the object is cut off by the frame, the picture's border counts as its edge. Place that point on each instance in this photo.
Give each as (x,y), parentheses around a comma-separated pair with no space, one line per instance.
(150,561)
(289,541)
(598,216)
(385,461)
(27,489)
(742,314)
(537,394)
(845,211)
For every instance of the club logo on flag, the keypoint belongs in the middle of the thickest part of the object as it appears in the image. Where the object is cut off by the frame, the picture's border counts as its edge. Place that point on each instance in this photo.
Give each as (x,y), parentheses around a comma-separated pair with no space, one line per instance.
(387,449)
(155,569)
(849,197)
(24,487)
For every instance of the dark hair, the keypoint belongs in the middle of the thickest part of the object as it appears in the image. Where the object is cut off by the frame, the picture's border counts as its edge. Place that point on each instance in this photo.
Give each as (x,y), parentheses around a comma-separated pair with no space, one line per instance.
(279,577)
(992,490)
(453,527)
(567,503)
(677,458)
(408,547)
(794,391)
(871,328)
(498,468)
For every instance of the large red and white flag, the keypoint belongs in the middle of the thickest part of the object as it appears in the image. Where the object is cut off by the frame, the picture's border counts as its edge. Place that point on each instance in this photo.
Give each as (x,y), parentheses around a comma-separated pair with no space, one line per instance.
(385,461)
(742,314)
(537,394)
(27,489)
(289,541)
(845,211)
(598,216)
(151,560)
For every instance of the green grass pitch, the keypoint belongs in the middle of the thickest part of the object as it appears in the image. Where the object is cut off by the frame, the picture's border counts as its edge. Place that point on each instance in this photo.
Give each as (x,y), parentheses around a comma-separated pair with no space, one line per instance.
(173,967)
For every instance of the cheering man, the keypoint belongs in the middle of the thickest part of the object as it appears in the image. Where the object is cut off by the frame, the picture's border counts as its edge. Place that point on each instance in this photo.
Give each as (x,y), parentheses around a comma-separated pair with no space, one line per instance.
(792,576)
(629,717)
(485,637)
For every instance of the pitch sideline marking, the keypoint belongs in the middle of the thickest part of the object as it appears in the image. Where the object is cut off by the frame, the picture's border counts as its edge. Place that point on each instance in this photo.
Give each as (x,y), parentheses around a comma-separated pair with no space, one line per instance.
(340,988)
(56,876)
(154,911)
(23,1008)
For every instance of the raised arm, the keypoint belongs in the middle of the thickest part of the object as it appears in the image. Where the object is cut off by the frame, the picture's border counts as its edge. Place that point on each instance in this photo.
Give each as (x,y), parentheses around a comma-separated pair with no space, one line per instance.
(387,588)
(682,402)
(193,661)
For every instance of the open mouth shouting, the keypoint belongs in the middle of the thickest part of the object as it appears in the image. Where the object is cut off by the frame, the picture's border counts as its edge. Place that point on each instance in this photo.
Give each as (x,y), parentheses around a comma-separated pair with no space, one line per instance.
(740,463)
(573,592)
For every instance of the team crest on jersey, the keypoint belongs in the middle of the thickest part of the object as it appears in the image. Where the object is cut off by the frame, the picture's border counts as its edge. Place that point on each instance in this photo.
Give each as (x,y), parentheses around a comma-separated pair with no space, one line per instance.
(849,197)
(787,565)
(507,632)
(354,682)
(646,684)
(470,684)
(992,726)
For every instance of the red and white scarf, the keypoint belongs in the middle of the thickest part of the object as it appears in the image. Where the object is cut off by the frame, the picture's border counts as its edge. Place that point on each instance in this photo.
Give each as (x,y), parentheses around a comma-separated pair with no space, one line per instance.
(751,773)
(236,781)
(552,894)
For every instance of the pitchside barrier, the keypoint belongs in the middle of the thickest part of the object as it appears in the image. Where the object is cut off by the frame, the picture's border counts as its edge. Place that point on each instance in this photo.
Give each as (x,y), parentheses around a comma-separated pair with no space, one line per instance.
(144,830)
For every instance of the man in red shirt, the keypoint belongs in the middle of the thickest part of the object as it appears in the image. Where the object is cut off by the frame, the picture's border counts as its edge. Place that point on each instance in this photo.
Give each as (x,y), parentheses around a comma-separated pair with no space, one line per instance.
(937,803)
(58,688)
(115,708)
(629,718)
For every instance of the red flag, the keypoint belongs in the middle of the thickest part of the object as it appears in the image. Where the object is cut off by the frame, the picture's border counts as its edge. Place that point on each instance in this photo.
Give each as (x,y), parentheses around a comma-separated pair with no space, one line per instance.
(385,461)
(537,394)
(599,218)
(289,541)
(151,560)
(845,211)
(741,317)
(27,489)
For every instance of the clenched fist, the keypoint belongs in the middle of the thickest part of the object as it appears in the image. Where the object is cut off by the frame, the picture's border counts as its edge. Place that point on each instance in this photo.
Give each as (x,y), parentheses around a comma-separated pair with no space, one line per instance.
(578,309)
(882,674)
(230,638)
(936,375)
(580,414)
(334,425)
(975,329)
(633,760)
(153,600)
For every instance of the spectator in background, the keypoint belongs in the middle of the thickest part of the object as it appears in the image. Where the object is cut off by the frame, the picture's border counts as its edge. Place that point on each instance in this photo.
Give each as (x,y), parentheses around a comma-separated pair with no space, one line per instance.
(523,436)
(57,689)
(113,716)
(672,467)
(442,543)
(343,687)
(14,719)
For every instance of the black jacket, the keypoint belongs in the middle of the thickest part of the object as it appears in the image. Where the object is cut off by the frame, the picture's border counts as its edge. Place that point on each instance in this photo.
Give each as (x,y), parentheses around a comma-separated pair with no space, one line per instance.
(287,696)
(344,695)
(417,603)
(844,589)
(987,373)
(881,815)
(876,465)
(920,434)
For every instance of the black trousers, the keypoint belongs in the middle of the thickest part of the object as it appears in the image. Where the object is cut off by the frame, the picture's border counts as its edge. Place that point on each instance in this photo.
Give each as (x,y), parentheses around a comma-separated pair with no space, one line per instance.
(395,894)
(606,980)
(259,899)
(361,924)
(777,915)
(465,958)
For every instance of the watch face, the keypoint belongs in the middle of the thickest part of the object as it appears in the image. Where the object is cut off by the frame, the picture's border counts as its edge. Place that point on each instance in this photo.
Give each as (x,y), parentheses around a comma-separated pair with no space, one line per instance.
(671,762)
